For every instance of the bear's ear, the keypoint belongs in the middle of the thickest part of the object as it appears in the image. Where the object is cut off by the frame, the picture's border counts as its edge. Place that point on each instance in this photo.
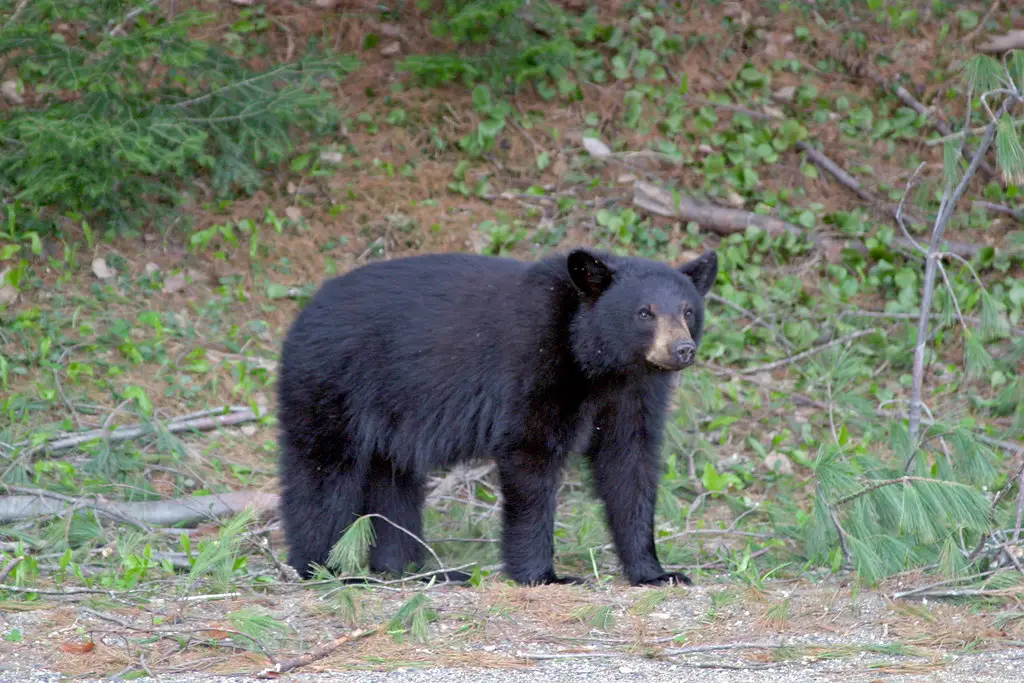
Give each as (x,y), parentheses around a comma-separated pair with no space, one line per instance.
(588,273)
(702,271)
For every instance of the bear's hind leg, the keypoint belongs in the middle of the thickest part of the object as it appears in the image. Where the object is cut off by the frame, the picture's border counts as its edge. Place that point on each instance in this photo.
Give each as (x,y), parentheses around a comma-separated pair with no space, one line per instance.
(319,500)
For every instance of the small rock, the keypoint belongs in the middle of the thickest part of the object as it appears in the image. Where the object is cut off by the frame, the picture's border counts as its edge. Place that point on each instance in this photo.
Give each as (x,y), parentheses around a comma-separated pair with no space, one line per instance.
(596,148)
(198,276)
(734,198)
(626,178)
(174,283)
(8,294)
(262,402)
(293,212)
(151,268)
(331,157)
(101,270)
(785,93)
(391,30)
(291,187)
(391,49)
(248,430)
(9,90)
(625,670)
(779,463)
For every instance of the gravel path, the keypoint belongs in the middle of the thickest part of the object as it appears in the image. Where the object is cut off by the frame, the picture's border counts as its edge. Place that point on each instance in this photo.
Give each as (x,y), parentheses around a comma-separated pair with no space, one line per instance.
(995,667)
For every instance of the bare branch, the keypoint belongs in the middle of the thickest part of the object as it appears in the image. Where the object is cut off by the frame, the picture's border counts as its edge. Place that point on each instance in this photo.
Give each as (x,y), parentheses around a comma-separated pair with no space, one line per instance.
(931,265)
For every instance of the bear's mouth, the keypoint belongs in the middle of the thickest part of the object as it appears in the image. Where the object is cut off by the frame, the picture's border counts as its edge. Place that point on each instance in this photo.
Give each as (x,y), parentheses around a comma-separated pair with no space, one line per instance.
(669,366)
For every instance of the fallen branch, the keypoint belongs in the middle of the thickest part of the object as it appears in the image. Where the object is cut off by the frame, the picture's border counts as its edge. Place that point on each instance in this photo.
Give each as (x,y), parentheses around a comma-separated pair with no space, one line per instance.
(1014,40)
(314,655)
(185,510)
(725,221)
(233,416)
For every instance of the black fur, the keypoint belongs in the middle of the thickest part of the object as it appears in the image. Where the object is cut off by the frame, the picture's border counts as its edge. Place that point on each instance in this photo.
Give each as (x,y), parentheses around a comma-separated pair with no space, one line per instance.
(407,365)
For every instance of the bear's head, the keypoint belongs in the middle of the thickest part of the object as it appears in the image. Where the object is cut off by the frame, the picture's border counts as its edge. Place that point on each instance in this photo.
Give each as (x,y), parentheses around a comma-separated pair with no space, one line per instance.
(637,313)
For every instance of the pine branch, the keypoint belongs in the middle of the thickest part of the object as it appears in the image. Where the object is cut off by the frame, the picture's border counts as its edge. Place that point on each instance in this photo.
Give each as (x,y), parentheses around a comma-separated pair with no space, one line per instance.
(874,486)
(946,209)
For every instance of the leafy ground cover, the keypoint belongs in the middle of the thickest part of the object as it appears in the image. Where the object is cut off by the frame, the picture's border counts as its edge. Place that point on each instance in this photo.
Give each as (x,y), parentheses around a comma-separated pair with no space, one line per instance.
(179,177)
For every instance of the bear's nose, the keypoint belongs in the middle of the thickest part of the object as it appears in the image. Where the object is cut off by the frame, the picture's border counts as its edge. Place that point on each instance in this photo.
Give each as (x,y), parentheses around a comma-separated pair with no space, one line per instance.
(685,351)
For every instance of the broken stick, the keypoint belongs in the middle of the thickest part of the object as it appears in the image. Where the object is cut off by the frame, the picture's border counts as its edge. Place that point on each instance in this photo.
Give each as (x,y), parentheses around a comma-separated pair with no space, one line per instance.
(310,657)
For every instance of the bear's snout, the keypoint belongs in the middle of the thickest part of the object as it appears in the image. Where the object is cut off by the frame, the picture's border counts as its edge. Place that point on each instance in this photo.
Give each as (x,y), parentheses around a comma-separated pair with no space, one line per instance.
(684,351)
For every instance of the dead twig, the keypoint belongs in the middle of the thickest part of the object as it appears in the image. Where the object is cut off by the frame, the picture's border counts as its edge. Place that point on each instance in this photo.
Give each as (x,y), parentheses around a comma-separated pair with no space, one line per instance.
(939,584)
(721,646)
(131,17)
(972,36)
(1015,214)
(310,657)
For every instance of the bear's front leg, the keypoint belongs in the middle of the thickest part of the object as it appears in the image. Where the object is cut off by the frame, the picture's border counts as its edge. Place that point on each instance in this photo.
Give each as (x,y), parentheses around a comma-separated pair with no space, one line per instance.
(528,486)
(625,457)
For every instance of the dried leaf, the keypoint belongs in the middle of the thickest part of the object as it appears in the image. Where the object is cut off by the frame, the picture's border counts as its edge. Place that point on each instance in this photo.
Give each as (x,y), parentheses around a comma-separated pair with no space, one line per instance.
(78,648)
(293,212)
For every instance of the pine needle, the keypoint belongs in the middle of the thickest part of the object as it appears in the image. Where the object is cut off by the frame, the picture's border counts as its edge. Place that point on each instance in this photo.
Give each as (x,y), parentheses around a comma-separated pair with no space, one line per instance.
(264,630)
(978,360)
(1009,151)
(952,165)
(349,554)
(993,324)
(982,73)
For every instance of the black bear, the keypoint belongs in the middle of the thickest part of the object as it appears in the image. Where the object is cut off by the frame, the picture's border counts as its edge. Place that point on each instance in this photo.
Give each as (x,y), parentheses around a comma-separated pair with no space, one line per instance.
(407,365)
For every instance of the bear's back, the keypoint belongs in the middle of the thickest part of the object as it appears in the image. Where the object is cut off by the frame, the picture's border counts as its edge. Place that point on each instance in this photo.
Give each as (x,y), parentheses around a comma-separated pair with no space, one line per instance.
(429,354)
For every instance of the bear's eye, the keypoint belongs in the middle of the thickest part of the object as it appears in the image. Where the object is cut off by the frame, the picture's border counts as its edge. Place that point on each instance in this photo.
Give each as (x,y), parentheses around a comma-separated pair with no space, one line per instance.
(688,314)
(645,313)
